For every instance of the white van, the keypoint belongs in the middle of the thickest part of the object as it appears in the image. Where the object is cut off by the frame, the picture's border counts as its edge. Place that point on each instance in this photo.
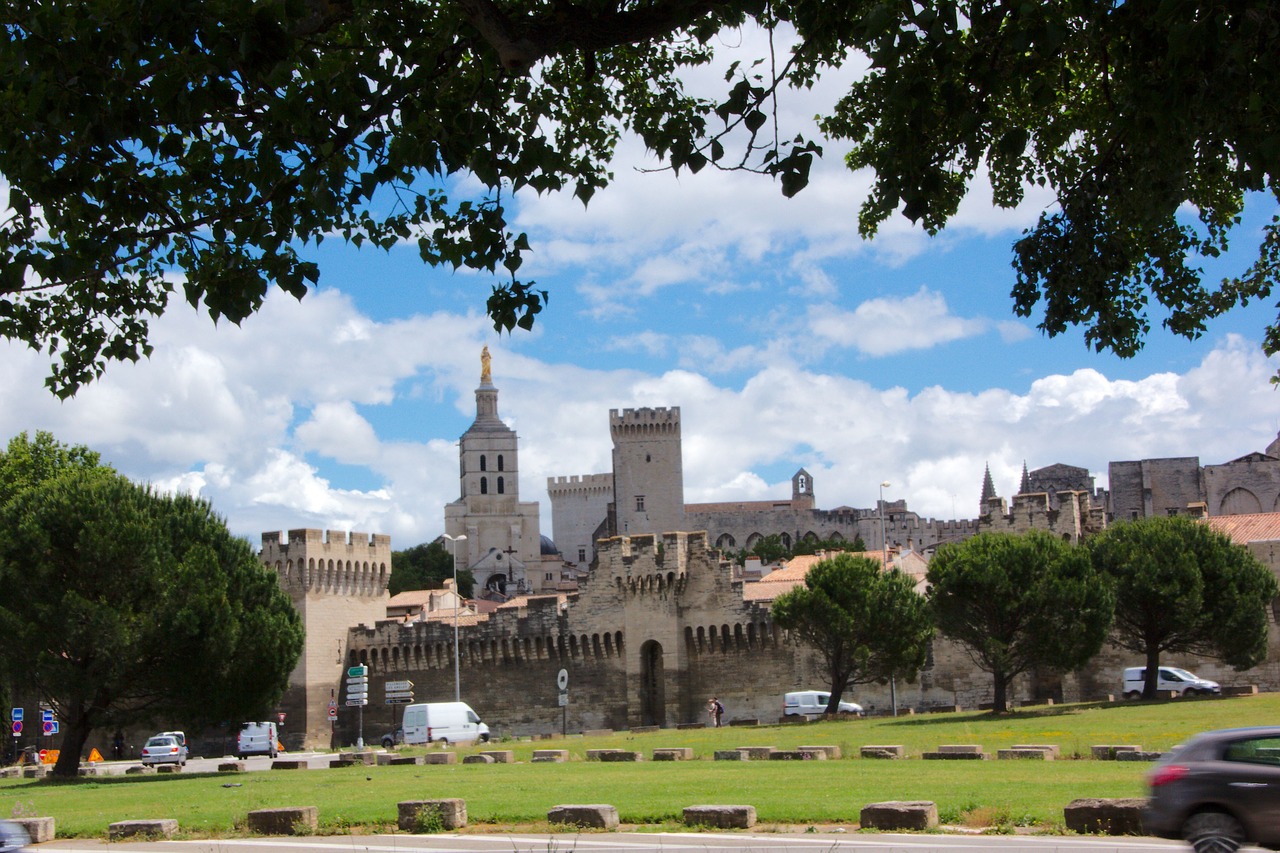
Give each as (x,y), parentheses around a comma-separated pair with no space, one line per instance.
(257,739)
(442,722)
(809,703)
(1170,679)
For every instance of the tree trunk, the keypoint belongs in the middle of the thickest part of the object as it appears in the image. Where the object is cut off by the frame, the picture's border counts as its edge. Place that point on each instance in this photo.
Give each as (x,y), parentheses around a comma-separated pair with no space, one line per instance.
(1151,683)
(1000,690)
(75,736)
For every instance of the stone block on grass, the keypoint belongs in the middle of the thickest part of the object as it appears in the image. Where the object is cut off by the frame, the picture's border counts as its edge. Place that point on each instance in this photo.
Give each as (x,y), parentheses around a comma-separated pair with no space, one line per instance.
(1101,816)
(673,753)
(897,815)
(621,755)
(1107,751)
(586,816)
(440,758)
(721,817)
(954,756)
(1051,747)
(1024,754)
(832,751)
(883,750)
(231,767)
(290,820)
(157,828)
(730,755)
(556,755)
(431,815)
(480,758)
(797,755)
(39,829)
(289,764)
(756,753)
(501,756)
(139,770)
(596,754)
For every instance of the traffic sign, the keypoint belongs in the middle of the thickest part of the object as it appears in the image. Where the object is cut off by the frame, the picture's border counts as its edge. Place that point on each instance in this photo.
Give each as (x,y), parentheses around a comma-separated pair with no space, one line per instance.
(407,695)
(399,700)
(16,715)
(17,727)
(333,711)
(564,698)
(351,703)
(398,686)
(48,727)
(46,715)
(357,671)
(357,694)
(562,679)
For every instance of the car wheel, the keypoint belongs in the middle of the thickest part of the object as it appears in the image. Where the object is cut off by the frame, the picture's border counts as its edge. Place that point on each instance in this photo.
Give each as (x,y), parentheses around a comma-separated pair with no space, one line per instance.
(1133,694)
(484,738)
(1213,832)
(387,743)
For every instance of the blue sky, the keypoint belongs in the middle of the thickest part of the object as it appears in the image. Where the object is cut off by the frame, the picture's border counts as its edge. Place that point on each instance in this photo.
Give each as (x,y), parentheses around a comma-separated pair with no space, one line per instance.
(786,339)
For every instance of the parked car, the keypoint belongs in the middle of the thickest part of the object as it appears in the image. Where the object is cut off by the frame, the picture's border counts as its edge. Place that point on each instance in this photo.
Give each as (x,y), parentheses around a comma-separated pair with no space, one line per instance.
(813,702)
(1219,790)
(390,739)
(12,837)
(164,749)
(1170,679)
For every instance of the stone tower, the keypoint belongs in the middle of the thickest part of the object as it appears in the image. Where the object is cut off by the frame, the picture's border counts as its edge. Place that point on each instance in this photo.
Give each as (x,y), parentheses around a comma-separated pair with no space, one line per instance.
(503,541)
(648,471)
(802,490)
(335,580)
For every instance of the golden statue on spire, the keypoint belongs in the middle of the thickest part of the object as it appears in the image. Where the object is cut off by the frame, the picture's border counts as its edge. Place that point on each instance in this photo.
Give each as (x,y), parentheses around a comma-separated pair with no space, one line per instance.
(485,377)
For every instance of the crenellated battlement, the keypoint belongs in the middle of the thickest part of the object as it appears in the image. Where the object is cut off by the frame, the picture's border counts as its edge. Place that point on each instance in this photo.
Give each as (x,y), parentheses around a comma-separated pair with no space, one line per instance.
(333,561)
(1073,518)
(644,421)
(586,484)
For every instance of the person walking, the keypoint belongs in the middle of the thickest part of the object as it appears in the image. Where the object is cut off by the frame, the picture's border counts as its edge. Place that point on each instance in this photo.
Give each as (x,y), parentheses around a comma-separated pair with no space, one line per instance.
(716,711)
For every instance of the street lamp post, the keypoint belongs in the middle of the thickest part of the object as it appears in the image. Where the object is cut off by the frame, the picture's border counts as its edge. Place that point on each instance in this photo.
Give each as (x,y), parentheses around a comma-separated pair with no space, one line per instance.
(884,543)
(457,605)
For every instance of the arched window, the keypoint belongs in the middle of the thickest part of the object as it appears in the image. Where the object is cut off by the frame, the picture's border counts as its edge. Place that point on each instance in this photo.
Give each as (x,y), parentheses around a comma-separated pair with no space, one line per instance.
(500,462)
(482,463)
(501,487)
(484,485)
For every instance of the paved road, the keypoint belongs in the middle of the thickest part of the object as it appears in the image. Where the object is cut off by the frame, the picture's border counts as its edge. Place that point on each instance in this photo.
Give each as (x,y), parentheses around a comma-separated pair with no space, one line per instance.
(665,842)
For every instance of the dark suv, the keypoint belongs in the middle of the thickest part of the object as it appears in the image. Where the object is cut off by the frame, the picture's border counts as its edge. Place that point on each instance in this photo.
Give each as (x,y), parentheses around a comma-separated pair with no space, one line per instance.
(1219,791)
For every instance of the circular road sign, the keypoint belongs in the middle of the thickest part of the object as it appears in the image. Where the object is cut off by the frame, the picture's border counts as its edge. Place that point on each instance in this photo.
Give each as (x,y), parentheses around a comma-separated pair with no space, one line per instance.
(562,679)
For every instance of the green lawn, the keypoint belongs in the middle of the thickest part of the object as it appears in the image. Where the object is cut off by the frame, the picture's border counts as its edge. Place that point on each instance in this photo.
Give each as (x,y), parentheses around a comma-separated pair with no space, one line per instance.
(1002,793)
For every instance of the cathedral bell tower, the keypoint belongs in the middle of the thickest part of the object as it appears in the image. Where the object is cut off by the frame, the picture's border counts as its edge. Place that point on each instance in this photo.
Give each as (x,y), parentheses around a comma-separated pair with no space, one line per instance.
(502,537)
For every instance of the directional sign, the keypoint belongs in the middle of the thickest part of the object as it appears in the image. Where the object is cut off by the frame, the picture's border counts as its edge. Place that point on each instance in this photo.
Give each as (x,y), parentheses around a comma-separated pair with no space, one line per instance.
(398,686)
(357,693)
(357,671)
(351,703)
(399,700)
(399,694)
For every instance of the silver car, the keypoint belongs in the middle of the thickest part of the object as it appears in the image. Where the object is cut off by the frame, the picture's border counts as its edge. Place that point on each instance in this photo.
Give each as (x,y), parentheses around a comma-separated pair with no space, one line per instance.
(164,749)
(12,837)
(1219,791)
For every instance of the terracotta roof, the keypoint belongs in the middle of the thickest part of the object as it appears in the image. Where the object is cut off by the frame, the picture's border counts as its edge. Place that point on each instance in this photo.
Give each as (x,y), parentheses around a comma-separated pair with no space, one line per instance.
(411,597)
(791,575)
(1243,529)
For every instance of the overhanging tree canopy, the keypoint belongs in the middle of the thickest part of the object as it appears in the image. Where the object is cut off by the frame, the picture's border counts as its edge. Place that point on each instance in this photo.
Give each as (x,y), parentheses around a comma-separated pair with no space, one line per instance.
(218,140)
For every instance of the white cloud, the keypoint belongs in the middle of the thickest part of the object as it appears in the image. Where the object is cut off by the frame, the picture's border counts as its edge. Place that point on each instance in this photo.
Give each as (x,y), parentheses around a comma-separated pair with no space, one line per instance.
(885,325)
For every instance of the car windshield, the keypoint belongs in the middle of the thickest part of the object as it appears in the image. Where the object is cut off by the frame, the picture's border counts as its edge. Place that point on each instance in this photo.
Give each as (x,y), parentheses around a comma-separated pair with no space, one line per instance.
(162,741)
(1182,673)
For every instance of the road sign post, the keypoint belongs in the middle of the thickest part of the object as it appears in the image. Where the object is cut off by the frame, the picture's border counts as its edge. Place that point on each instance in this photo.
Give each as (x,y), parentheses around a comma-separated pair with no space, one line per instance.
(358,696)
(562,682)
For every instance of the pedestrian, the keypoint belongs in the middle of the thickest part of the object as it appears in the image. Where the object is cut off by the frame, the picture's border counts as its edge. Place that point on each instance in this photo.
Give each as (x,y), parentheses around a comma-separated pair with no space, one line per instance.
(716,710)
